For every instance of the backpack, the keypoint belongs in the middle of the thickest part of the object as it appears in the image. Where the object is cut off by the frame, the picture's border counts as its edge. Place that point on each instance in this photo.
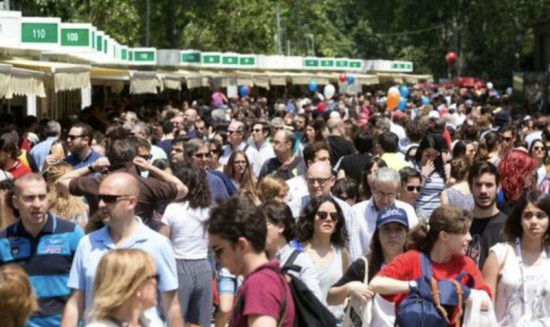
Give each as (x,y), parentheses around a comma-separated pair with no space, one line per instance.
(428,305)
(309,311)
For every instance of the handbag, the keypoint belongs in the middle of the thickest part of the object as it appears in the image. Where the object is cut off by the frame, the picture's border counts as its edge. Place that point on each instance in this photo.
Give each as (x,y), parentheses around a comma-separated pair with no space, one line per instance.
(358,312)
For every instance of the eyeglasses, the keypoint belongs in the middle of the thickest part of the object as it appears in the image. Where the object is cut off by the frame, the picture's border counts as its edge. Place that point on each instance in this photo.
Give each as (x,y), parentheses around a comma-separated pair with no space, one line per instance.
(154,276)
(233,132)
(323,215)
(507,139)
(203,155)
(411,188)
(111,198)
(319,180)
(73,137)
(219,250)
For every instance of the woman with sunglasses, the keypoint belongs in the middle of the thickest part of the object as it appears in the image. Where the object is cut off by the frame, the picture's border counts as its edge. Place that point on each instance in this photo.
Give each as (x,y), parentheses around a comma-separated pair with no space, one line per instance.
(238,169)
(388,241)
(183,223)
(517,270)
(323,236)
(538,151)
(125,287)
(429,162)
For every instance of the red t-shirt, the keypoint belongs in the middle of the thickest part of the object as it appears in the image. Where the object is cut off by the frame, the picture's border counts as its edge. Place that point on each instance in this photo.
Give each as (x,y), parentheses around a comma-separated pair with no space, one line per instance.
(18,170)
(262,294)
(407,267)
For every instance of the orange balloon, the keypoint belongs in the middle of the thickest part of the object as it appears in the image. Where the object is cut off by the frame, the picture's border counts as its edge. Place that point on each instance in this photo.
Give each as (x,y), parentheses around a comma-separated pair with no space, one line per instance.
(393,98)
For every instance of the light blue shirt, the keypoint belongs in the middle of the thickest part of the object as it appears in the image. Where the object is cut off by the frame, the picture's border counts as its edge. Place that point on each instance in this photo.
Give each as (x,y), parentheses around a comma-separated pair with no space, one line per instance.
(40,151)
(94,245)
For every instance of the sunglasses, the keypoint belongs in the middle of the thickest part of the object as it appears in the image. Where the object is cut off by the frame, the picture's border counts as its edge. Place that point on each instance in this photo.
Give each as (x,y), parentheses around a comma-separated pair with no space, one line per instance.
(146,156)
(538,148)
(323,215)
(320,180)
(202,155)
(414,188)
(109,198)
(232,132)
(507,139)
(73,137)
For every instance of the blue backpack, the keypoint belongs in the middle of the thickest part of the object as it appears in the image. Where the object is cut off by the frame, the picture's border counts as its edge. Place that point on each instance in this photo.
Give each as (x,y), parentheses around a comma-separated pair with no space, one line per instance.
(428,305)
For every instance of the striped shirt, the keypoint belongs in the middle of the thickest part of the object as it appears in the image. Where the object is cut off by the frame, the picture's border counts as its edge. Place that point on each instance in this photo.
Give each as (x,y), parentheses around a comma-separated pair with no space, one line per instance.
(430,196)
(47,259)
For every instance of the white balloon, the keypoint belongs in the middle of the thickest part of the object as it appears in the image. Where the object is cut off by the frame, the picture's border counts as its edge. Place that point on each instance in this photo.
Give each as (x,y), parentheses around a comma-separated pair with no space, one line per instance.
(489,85)
(329,91)
(510,91)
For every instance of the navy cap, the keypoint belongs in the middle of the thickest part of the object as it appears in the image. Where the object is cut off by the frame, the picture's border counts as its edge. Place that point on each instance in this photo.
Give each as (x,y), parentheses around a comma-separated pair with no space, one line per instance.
(392,214)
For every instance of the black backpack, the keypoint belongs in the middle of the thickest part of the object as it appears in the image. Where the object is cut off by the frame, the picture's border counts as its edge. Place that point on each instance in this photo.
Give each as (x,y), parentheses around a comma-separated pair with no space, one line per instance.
(309,311)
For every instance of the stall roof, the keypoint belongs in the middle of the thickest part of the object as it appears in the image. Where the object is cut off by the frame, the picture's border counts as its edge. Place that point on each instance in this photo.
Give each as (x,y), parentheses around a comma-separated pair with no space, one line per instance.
(20,81)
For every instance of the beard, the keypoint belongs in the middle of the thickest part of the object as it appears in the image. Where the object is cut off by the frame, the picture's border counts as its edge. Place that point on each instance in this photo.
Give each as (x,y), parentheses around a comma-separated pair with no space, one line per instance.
(482,206)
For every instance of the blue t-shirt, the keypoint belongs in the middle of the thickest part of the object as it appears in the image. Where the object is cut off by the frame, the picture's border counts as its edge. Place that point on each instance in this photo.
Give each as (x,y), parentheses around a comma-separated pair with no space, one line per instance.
(74,161)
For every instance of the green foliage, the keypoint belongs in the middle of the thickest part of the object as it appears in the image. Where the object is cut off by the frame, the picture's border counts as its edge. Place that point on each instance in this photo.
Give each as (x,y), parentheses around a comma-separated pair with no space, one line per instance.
(492,37)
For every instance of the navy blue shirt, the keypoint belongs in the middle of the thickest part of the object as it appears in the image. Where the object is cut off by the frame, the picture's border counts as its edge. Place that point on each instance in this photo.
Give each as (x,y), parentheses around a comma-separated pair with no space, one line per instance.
(74,161)
(47,259)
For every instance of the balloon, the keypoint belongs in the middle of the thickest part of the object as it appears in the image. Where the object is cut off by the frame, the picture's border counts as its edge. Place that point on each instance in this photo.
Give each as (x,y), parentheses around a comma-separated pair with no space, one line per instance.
(393,98)
(329,91)
(402,104)
(509,91)
(478,85)
(342,77)
(451,58)
(463,91)
(350,79)
(424,101)
(243,91)
(312,86)
(404,91)
(489,85)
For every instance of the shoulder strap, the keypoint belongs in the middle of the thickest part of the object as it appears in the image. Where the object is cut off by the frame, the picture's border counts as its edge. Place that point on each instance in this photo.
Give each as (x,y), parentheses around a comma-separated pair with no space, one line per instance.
(437,300)
(425,265)
(501,266)
(289,264)
(366,277)
(345,260)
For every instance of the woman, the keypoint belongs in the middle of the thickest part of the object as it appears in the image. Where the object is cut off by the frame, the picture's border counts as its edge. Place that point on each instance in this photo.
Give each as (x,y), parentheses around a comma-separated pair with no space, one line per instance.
(314,131)
(429,162)
(8,213)
(518,174)
(184,226)
(217,151)
(272,188)
(517,270)
(125,287)
(323,236)
(491,141)
(388,241)
(280,232)
(444,240)
(346,189)
(238,169)
(373,164)
(9,160)
(411,185)
(539,152)
(459,194)
(17,300)
(64,204)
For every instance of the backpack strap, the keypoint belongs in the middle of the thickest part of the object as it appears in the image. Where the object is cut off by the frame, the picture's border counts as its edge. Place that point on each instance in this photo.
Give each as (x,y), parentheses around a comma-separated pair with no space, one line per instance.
(289,264)
(460,296)
(437,300)
(425,265)
(282,309)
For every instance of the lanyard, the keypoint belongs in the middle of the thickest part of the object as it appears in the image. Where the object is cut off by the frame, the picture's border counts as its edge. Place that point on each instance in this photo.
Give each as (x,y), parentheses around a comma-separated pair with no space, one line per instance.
(523,281)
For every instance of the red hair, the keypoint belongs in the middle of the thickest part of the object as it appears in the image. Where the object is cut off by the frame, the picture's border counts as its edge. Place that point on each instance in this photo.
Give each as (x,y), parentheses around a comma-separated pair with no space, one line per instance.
(514,168)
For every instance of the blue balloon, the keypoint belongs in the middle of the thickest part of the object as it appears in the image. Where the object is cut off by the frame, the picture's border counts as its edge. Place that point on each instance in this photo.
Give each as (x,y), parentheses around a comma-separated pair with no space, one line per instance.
(312,86)
(243,91)
(350,79)
(402,104)
(424,101)
(404,91)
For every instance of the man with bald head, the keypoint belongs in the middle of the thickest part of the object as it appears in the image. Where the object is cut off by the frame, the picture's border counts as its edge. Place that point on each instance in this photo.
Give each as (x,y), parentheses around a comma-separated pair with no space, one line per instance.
(284,165)
(118,195)
(339,146)
(320,180)
(236,135)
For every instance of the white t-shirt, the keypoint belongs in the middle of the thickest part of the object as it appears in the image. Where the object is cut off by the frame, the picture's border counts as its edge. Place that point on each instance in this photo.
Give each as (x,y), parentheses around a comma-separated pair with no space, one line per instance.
(508,304)
(189,237)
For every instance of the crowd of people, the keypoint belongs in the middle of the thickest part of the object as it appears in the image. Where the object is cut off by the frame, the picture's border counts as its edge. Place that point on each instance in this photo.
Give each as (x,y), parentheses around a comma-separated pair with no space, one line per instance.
(183,214)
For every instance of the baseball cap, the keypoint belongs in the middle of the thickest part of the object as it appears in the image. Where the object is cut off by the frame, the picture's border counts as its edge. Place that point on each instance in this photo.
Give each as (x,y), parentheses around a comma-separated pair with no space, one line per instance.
(392,214)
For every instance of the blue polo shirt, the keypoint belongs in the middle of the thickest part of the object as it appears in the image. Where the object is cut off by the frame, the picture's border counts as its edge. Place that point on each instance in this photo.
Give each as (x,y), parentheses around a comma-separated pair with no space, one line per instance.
(94,245)
(47,259)
(74,161)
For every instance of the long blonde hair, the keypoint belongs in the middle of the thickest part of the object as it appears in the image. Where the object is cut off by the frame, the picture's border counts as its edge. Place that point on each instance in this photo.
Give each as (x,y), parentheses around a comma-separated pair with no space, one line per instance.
(17,300)
(119,275)
(62,204)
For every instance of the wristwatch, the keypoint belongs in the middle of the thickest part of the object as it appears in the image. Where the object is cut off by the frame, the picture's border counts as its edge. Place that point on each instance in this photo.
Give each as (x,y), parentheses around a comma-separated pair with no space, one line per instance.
(413,286)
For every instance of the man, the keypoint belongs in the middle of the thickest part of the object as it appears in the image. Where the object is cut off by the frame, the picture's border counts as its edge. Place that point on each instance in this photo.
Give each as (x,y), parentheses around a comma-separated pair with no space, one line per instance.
(122,158)
(237,232)
(178,126)
(284,164)
(264,150)
(40,151)
(118,194)
(190,116)
(197,152)
(142,131)
(385,187)
(487,223)
(389,151)
(177,151)
(507,139)
(79,141)
(338,145)
(43,245)
(9,160)
(235,139)
(351,165)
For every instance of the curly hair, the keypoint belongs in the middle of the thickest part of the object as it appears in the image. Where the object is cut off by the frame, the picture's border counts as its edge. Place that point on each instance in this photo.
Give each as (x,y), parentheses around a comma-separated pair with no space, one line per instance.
(307,220)
(514,168)
(279,214)
(195,179)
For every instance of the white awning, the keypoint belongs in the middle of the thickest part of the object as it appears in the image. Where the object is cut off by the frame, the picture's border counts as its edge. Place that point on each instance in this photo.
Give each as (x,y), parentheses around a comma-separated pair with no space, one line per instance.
(366,79)
(170,80)
(144,82)
(193,79)
(64,77)
(18,81)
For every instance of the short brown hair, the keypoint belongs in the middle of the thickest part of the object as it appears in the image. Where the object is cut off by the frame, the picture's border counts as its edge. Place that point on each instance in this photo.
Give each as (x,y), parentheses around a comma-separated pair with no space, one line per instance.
(17,300)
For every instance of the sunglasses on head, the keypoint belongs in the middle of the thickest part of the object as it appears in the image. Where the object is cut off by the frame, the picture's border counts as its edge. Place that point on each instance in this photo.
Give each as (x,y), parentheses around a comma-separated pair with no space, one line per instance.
(323,215)
(110,198)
